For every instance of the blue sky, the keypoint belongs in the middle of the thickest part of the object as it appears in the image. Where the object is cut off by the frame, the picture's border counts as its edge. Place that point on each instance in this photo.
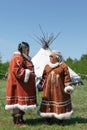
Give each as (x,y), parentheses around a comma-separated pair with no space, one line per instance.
(20,19)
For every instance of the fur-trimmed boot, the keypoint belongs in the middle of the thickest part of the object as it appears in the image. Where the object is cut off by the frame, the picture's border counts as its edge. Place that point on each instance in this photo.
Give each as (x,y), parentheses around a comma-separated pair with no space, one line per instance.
(18,117)
(21,117)
(48,121)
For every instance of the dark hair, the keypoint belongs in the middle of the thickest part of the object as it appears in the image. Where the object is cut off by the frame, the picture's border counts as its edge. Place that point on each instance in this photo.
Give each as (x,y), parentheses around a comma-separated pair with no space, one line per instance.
(23,46)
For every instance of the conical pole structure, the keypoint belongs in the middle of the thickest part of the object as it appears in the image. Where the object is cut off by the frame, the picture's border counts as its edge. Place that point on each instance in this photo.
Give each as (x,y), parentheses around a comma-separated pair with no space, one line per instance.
(46,40)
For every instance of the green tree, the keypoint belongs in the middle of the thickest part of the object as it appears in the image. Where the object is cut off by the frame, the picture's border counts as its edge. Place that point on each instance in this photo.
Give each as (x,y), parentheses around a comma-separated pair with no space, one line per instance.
(3,69)
(83,57)
(0,58)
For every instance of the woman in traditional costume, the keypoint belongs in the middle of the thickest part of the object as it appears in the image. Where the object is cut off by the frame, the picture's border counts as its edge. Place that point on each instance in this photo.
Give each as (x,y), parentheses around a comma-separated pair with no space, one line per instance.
(20,87)
(57,88)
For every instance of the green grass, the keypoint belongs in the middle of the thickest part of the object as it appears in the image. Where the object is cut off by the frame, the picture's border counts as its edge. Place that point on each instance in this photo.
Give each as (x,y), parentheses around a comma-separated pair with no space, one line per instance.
(78,120)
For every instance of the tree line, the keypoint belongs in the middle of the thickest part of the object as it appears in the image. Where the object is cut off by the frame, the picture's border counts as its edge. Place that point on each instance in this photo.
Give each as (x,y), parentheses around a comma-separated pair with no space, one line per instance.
(79,66)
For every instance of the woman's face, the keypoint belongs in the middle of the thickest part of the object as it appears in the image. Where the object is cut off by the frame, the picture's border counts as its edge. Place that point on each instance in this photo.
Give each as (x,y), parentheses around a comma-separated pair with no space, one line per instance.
(26,52)
(53,58)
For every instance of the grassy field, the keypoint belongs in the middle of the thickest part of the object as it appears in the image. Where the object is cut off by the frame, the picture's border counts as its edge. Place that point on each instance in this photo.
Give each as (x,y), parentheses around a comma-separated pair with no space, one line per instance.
(78,120)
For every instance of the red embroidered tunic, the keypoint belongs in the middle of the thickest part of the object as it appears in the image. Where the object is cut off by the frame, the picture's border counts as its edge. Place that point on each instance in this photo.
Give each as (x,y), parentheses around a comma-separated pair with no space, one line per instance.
(55,102)
(20,87)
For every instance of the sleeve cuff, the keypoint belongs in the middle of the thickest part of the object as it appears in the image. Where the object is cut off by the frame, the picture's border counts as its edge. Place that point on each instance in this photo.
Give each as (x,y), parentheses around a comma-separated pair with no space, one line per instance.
(71,88)
(27,75)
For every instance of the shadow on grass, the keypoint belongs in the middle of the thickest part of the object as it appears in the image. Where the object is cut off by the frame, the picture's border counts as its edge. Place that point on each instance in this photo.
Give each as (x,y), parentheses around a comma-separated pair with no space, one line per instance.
(72,121)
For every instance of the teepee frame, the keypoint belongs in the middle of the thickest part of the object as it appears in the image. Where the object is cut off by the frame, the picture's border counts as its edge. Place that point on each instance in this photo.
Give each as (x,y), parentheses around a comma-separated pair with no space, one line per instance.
(46,40)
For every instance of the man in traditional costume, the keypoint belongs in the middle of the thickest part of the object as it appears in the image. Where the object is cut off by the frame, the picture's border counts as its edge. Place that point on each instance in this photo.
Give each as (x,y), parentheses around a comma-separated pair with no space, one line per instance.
(57,88)
(20,87)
